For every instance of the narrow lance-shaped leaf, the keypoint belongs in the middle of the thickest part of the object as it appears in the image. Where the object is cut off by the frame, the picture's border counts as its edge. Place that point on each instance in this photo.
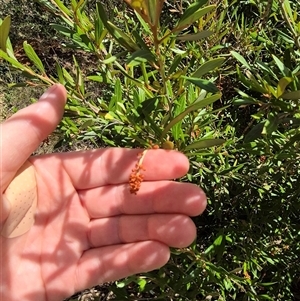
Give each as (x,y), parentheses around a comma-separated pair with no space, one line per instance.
(124,39)
(206,67)
(50,6)
(195,106)
(60,73)
(240,59)
(270,124)
(4,31)
(204,143)
(294,95)
(118,91)
(188,20)
(11,60)
(33,57)
(140,6)
(79,82)
(203,84)
(175,64)
(284,70)
(63,8)
(143,23)
(100,31)
(121,37)
(154,8)
(193,8)
(195,36)
(140,56)
(282,84)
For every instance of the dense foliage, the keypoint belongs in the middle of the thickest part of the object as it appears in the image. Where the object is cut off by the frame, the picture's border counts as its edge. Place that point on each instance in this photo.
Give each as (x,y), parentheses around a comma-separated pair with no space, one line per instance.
(217,80)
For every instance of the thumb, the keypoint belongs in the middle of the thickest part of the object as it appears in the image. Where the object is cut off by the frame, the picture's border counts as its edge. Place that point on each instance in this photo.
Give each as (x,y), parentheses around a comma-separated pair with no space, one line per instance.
(22,133)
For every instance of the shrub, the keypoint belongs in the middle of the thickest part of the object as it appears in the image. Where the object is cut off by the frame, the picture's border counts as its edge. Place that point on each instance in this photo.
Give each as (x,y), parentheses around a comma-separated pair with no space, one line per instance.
(217,80)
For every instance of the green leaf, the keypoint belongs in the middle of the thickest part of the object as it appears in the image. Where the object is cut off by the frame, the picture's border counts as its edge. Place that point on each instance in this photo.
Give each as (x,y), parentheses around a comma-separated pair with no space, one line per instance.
(208,66)
(33,56)
(154,10)
(118,91)
(63,30)
(4,31)
(240,59)
(189,18)
(190,11)
(140,56)
(270,125)
(121,37)
(266,297)
(175,64)
(245,101)
(285,71)
(147,107)
(59,72)
(195,36)
(79,78)
(204,143)
(63,8)
(12,61)
(68,77)
(142,283)
(294,95)
(139,40)
(267,283)
(282,84)
(254,133)
(198,104)
(203,84)
(143,23)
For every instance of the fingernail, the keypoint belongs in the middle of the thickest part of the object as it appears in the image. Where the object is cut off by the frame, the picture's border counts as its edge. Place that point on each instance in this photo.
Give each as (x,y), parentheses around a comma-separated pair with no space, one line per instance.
(49,93)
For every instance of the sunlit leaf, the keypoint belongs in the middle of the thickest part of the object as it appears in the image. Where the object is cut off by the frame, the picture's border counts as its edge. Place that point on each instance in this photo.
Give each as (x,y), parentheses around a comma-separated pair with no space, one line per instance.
(208,66)
(203,84)
(4,31)
(204,143)
(122,38)
(11,60)
(190,16)
(282,84)
(270,124)
(33,56)
(240,59)
(139,57)
(63,8)
(149,10)
(284,70)
(198,104)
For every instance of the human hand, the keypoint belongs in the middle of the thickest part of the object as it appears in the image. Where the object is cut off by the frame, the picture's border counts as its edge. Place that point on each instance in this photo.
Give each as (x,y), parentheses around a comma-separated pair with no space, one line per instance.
(88,228)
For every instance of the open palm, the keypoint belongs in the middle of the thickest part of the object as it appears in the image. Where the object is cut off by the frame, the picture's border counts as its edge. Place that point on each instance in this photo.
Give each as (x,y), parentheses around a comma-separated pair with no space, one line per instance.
(88,227)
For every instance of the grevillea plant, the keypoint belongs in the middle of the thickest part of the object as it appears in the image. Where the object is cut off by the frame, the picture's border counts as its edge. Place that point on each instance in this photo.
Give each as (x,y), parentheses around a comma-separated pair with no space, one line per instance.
(156,83)
(142,71)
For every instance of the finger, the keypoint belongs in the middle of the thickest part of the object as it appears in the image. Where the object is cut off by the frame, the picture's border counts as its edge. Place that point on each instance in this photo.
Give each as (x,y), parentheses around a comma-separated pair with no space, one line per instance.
(174,230)
(89,169)
(114,262)
(153,197)
(23,132)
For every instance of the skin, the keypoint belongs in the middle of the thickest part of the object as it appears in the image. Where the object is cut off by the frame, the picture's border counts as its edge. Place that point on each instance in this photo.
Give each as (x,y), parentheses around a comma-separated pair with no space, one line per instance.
(89,229)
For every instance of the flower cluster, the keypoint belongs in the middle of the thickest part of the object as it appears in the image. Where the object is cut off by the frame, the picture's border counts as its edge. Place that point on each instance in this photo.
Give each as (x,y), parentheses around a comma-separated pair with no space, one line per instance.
(136,177)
